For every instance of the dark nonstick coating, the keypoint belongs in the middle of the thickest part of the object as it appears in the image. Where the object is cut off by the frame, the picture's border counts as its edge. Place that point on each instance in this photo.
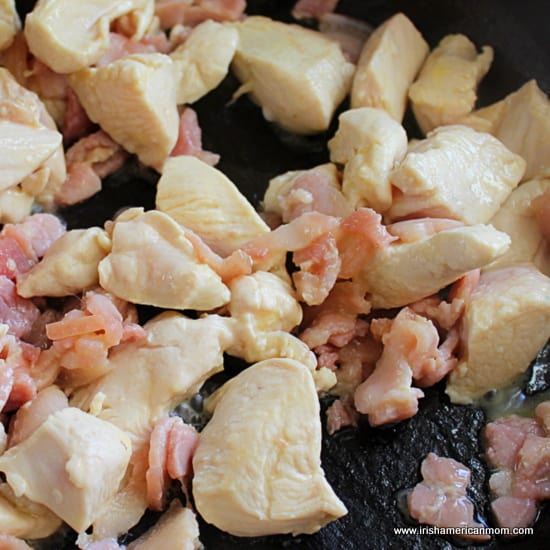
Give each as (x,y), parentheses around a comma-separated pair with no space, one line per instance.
(366,467)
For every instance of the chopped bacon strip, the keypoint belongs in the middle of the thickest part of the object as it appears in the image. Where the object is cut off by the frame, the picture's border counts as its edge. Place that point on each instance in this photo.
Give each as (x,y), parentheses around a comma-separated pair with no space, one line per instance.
(313,9)
(76,123)
(440,498)
(190,139)
(171,449)
(120,46)
(193,12)
(340,415)
(19,314)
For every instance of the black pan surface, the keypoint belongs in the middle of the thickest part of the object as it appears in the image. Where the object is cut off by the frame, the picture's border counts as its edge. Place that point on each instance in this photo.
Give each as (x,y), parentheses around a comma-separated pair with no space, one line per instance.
(367,467)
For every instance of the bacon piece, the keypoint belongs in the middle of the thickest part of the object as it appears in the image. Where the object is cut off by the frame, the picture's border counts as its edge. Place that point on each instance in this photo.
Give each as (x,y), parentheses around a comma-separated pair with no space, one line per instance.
(19,314)
(76,123)
(88,161)
(313,9)
(440,499)
(190,139)
(193,12)
(120,46)
(359,236)
(319,265)
(171,449)
(340,415)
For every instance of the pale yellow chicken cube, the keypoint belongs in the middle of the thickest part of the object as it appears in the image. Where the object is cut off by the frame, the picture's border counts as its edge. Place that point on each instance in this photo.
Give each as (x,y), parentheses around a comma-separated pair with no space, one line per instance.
(505,324)
(402,273)
(134,100)
(370,143)
(297,75)
(387,66)
(70,265)
(72,464)
(516,218)
(455,173)
(203,199)
(9,23)
(260,473)
(152,262)
(69,36)
(445,90)
(522,122)
(15,204)
(203,60)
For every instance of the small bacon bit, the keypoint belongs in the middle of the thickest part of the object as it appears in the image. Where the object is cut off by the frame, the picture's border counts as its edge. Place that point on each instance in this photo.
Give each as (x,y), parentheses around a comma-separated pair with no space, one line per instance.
(541,206)
(360,235)
(313,9)
(24,388)
(182,443)
(190,139)
(340,415)
(76,123)
(465,286)
(319,265)
(6,383)
(513,512)
(19,314)
(120,46)
(193,12)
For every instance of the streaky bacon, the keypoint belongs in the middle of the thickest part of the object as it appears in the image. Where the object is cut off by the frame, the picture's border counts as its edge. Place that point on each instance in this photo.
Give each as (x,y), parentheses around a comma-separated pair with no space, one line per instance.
(190,139)
(193,12)
(19,314)
(120,46)
(76,123)
(339,415)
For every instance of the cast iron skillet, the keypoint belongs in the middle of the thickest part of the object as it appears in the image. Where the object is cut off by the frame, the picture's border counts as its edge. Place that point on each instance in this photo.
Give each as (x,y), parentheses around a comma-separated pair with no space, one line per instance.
(366,467)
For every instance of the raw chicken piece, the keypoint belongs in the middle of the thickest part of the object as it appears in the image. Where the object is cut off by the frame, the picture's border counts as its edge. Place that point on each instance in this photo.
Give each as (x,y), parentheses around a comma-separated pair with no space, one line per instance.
(129,95)
(9,23)
(402,273)
(15,204)
(318,189)
(268,301)
(522,122)
(260,473)
(73,464)
(297,75)
(202,61)
(69,36)
(517,218)
(455,173)
(440,498)
(204,200)
(389,61)
(510,304)
(370,143)
(153,262)
(20,517)
(150,377)
(70,266)
(445,90)
(177,526)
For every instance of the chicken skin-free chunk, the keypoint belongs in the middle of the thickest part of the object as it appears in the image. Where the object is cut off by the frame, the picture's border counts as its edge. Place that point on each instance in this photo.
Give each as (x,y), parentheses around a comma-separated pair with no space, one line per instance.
(73,464)
(387,66)
(370,143)
(9,23)
(69,266)
(69,36)
(260,473)
(202,61)
(405,272)
(455,173)
(505,324)
(297,75)
(152,262)
(445,90)
(134,100)
(204,200)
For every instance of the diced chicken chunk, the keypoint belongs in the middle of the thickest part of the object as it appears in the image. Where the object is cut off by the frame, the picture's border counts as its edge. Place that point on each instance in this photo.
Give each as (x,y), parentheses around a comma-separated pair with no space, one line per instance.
(260,473)
(509,305)
(403,273)
(15,204)
(69,36)
(516,217)
(370,143)
(69,266)
(522,122)
(9,23)
(445,90)
(202,61)
(134,100)
(153,262)
(455,173)
(388,64)
(297,75)
(73,464)
(149,378)
(177,525)
(204,200)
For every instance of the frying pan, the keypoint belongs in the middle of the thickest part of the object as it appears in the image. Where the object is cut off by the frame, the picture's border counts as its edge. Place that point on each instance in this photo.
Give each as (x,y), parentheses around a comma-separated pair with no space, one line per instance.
(368,468)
